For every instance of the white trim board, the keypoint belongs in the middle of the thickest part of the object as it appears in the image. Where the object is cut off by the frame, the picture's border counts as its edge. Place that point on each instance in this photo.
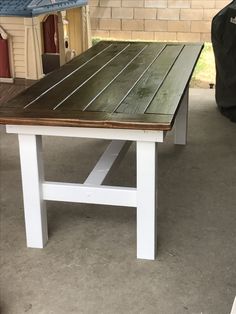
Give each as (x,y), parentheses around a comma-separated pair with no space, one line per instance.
(234,307)
(96,133)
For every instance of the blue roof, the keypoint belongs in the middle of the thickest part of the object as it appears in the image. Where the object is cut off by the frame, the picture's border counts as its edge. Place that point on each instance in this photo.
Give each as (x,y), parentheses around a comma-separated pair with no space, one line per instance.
(30,8)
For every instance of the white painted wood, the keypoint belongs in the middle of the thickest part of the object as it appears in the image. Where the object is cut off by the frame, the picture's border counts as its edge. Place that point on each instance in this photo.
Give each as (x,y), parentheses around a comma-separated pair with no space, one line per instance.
(79,193)
(88,26)
(32,177)
(33,42)
(234,307)
(14,28)
(101,133)
(181,121)
(3,33)
(6,80)
(146,200)
(107,160)
(36,191)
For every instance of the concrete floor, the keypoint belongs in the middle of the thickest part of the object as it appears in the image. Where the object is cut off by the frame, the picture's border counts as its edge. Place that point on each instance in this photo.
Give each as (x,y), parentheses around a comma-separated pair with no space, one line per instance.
(89,264)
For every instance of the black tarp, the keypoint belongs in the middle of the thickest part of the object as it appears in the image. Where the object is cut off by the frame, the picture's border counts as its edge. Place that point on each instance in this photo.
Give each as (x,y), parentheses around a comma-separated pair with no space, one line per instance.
(224,45)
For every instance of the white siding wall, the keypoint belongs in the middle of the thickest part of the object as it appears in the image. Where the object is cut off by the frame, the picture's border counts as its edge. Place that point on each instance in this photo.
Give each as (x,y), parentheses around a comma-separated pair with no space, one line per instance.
(14,26)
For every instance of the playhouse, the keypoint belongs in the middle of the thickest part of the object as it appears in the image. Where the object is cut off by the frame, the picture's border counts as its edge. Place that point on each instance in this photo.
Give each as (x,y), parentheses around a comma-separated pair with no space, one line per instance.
(38,36)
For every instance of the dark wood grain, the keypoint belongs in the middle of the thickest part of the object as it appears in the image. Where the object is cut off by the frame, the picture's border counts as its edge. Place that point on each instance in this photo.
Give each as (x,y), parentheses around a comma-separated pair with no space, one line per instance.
(172,90)
(59,93)
(101,81)
(126,85)
(8,91)
(110,99)
(53,78)
(143,93)
(87,119)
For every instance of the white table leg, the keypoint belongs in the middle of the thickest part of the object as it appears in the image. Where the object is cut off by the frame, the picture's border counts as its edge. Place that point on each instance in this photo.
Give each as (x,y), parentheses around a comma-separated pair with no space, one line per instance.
(233,311)
(32,177)
(181,121)
(146,199)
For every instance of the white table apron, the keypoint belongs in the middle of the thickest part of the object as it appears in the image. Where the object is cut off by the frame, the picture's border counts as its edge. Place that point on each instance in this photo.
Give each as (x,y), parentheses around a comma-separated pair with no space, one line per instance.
(36,190)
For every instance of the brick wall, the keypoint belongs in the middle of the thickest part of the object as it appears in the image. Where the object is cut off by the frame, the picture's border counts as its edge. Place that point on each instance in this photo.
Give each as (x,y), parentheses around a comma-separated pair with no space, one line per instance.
(182,20)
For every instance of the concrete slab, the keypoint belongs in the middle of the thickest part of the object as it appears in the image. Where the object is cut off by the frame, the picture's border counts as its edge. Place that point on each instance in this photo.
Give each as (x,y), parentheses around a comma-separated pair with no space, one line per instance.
(89,264)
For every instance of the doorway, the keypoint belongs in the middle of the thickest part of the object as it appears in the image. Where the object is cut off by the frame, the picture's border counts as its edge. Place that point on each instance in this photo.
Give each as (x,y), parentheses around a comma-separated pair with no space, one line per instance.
(51,52)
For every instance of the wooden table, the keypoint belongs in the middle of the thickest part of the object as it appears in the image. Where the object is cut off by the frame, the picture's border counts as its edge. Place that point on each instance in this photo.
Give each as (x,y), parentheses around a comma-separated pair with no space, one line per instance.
(119,91)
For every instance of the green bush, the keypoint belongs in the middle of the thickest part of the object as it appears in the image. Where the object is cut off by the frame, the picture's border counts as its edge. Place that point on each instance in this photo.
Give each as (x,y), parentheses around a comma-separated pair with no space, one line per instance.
(204,73)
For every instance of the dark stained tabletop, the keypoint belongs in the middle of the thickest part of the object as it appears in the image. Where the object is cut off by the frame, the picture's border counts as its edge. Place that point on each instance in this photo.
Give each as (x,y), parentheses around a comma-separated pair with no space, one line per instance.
(131,85)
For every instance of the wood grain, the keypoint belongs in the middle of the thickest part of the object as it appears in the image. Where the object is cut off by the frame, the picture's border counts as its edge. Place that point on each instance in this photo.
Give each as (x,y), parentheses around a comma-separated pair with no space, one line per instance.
(143,93)
(172,90)
(131,85)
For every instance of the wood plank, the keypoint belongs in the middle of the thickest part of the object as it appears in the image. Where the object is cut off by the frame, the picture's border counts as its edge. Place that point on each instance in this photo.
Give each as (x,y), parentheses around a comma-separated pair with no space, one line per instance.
(86,119)
(171,92)
(143,93)
(19,39)
(18,64)
(18,45)
(16,33)
(7,91)
(19,74)
(117,91)
(19,58)
(79,193)
(5,20)
(80,99)
(53,78)
(108,161)
(56,96)
(116,83)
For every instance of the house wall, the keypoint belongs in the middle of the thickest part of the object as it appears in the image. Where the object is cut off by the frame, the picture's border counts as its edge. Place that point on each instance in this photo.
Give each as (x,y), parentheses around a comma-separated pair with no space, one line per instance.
(25,47)
(78,29)
(33,49)
(75,25)
(14,27)
(26,38)
(27,41)
(182,20)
